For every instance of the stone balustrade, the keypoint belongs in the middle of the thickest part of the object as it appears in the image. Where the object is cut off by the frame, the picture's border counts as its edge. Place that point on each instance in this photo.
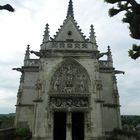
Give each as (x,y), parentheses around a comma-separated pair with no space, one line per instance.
(32,62)
(7,134)
(68,46)
(103,64)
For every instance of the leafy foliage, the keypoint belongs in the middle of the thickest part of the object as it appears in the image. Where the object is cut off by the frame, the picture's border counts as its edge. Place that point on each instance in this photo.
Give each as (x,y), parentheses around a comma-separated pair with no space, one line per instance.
(113,12)
(22,132)
(112,1)
(132,17)
(7,7)
(134,53)
(130,120)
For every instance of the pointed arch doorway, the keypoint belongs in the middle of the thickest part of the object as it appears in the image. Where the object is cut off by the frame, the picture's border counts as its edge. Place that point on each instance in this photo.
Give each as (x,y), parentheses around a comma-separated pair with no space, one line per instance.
(59,126)
(62,125)
(77,126)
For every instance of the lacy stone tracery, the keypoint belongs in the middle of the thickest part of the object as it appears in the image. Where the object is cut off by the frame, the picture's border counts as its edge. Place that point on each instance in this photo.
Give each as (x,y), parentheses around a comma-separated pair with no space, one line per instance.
(70,78)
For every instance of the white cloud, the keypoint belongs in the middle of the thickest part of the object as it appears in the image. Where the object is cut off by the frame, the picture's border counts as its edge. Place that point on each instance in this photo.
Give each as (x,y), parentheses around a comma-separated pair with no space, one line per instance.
(7,100)
(132,107)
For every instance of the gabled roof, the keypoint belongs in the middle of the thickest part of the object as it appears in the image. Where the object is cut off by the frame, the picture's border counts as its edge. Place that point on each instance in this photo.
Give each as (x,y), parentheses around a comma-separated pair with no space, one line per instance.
(69,31)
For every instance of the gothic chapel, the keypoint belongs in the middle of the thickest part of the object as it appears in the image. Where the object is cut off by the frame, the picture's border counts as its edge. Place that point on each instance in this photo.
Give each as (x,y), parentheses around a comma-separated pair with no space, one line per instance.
(68,93)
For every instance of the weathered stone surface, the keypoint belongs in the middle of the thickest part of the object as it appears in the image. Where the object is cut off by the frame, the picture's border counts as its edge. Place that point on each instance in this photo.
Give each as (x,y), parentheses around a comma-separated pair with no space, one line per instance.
(68,77)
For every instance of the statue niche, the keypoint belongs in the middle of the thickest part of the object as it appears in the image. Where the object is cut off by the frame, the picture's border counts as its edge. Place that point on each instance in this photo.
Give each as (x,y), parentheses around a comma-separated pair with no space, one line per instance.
(71,77)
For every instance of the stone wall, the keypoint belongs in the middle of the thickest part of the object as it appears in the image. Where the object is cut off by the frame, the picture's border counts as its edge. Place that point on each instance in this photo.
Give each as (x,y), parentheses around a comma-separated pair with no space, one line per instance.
(124,135)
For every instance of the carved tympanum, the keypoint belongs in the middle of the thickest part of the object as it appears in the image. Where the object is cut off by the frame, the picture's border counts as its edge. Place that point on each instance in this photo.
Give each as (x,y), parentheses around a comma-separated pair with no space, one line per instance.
(71,77)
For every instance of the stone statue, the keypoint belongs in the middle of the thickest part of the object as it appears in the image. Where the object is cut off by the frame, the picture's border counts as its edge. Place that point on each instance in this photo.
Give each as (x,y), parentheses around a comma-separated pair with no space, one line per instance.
(38,87)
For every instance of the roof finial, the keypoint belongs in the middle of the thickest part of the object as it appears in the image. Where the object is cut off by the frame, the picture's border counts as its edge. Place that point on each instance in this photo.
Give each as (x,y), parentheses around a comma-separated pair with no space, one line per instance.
(27,54)
(109,56)
(92,35)
(70,9)
(46,34)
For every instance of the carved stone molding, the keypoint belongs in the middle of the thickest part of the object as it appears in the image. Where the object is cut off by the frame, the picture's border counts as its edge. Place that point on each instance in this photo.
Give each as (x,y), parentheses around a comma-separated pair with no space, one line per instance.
(69,45)
(99,85)
(109,105)
(64,102)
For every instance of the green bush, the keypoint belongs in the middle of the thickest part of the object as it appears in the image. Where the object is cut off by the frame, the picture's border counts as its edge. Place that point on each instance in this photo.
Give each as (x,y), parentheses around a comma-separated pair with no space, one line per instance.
(22,132)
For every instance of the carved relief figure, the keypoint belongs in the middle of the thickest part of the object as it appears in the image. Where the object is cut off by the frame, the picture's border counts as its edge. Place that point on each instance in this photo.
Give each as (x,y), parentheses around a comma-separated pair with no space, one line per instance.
(57,84)
(59,102)
(71,77)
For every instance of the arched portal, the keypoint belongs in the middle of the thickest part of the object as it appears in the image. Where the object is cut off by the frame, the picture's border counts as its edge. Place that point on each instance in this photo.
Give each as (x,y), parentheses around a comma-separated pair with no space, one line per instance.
(70,77)
(68,99)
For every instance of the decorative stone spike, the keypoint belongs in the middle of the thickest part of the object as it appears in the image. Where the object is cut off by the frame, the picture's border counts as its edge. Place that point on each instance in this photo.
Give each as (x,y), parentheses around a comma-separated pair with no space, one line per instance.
(46,34)
(109,57)
(70,10)
(70,16)
(92,35)
(27,54)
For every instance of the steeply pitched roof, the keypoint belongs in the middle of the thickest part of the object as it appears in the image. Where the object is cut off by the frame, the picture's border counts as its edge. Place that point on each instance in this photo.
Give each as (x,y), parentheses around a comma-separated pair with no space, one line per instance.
(69,30)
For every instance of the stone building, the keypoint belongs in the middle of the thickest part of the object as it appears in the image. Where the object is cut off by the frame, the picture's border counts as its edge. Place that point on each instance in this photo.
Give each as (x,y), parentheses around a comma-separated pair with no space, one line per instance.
(68,93)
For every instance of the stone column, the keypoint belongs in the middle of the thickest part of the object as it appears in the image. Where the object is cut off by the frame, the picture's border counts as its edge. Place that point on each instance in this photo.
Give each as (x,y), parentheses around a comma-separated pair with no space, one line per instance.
(69,126)
(35,120)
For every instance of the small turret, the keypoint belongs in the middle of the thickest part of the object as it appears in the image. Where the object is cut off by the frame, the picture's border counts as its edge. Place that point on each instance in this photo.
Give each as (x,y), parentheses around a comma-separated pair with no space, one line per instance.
(46,34)
(92,35)
(70,12)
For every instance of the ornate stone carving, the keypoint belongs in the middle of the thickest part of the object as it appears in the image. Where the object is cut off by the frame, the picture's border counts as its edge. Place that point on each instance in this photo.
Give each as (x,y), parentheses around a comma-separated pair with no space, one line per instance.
(70,78)
(103,64)
(38,87)
(32,62)
(64,45)
(99,85)
(64,102)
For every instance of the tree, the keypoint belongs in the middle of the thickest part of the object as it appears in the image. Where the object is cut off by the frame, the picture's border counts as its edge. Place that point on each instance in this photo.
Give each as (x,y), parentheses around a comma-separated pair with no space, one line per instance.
(7,7)
(132,17)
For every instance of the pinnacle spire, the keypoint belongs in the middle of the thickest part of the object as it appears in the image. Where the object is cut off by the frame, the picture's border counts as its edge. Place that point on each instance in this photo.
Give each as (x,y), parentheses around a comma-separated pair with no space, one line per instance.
(92,35)
(46,34)
(27,54)
(109,57)
(70,10)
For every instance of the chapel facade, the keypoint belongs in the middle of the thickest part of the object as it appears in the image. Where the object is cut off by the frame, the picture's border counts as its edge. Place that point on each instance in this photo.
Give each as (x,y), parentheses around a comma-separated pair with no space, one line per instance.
(68,93)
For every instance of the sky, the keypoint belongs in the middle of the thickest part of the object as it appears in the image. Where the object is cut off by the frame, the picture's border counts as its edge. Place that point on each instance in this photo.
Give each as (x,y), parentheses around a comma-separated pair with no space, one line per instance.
(27,24)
